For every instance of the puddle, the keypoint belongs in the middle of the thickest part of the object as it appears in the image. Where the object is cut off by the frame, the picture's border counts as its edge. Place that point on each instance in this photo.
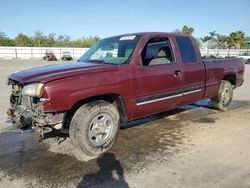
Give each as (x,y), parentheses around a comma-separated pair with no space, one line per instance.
(205,120)
(239,104)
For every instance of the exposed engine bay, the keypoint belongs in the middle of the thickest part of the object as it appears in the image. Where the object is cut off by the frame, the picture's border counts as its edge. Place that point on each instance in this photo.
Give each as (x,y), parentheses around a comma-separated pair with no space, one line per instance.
(26,111)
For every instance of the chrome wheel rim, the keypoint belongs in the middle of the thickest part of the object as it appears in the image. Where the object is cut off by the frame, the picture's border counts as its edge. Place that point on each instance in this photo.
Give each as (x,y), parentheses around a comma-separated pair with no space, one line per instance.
(100,129)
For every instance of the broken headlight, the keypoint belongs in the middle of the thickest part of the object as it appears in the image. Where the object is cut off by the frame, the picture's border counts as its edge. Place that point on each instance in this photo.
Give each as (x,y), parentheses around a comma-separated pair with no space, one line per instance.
(33,90)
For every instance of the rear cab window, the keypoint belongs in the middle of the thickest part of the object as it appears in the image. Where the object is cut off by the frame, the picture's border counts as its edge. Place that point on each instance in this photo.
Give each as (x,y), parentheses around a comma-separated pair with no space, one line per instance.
(186,48)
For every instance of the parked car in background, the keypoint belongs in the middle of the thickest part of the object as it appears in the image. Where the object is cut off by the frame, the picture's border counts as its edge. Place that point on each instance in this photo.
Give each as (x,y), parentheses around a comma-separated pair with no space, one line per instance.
(49,56)
(67,56)
(246,57)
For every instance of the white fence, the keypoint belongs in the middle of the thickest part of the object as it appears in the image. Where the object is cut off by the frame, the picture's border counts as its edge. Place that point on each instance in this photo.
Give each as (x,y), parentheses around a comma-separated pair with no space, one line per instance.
(38,52)
(223,52)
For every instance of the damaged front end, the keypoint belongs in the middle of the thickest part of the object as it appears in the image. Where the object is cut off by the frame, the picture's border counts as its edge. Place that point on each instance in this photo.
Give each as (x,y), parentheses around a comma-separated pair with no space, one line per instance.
(26,110)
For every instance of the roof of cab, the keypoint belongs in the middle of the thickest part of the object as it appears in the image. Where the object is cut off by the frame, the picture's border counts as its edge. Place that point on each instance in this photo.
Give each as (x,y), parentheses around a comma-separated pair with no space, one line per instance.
(152,34)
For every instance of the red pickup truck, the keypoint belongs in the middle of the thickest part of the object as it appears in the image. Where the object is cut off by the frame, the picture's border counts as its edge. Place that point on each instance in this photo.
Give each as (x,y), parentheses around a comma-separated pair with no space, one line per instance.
(117,80)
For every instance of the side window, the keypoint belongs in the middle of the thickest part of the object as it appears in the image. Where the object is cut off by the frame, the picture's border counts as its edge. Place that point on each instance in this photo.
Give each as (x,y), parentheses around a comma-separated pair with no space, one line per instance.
(157,51)
(187,50)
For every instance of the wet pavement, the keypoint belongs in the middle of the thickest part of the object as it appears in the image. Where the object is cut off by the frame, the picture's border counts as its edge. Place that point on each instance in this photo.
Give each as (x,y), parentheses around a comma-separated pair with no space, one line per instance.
(139,142)
(151,140)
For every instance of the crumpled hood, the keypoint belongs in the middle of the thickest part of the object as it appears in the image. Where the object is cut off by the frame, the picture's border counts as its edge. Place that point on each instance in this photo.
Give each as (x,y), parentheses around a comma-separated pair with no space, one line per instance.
(54,72)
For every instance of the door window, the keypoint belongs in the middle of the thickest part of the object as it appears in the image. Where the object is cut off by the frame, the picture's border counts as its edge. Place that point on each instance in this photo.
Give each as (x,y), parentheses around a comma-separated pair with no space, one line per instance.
(157,51)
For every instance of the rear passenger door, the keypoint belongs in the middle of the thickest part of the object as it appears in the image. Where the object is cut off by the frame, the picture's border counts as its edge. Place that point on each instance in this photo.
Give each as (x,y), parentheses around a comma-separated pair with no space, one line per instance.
(193,69)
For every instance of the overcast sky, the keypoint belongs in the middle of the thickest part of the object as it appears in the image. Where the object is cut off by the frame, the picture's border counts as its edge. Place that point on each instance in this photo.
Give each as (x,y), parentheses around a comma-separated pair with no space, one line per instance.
(104,18)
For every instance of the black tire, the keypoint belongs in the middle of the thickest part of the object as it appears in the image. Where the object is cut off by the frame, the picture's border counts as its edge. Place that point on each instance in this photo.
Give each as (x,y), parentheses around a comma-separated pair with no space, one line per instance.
(224,97)
(82,126)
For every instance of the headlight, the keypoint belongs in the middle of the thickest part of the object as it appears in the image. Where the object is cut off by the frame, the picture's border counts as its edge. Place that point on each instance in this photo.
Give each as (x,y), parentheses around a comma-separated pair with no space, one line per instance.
(33,90)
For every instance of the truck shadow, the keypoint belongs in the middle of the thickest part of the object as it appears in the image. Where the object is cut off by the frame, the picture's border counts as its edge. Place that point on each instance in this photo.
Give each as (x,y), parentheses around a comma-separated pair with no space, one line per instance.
(110,174)
(204,103)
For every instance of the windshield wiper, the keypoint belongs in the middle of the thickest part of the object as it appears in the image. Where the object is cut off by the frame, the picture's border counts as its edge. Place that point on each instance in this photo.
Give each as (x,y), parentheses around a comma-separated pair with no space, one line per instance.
(96,61)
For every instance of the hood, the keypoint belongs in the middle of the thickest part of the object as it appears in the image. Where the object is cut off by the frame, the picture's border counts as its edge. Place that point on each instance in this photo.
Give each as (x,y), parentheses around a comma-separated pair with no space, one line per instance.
(54,72)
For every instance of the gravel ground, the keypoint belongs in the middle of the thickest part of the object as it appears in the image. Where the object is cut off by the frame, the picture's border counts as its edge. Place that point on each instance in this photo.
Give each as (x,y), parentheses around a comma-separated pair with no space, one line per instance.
(192,146)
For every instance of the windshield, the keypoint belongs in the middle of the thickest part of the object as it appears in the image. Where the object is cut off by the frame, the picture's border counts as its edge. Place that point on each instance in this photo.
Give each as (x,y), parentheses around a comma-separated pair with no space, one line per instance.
(115,50)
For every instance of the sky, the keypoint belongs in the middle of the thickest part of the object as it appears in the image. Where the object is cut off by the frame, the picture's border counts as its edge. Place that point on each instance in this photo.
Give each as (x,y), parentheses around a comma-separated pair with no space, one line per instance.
(105,18)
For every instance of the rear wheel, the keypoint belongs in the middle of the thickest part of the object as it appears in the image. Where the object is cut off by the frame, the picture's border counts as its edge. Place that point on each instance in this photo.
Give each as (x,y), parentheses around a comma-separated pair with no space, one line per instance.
(224,97)
(94,128)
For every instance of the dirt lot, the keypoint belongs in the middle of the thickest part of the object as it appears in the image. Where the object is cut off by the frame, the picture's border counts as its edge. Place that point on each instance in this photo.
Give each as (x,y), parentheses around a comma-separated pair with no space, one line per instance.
(192,146)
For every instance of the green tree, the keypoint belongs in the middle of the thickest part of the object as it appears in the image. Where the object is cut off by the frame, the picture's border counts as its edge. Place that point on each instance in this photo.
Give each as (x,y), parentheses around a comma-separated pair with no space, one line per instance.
(50,40)
(176,31)
(199,42)
(89,41)
(23,40)
(38,39)
(222,41)
(6,41)
(245,44)
(235,39)
(64,41)
(187,30)
(210,40)
(184,30)
(205,40)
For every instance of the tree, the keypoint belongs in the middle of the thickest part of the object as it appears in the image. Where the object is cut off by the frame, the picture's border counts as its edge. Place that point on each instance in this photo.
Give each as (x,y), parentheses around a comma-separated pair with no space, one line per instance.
(235,39)
(222,41)
(38,38)
(205,39)
(64,41)
(187,30)
(51,40)
(210,40)
(245,44)
(5,41)
(199,42)
(23,40)
(89,41)
(177,31)
(184,30)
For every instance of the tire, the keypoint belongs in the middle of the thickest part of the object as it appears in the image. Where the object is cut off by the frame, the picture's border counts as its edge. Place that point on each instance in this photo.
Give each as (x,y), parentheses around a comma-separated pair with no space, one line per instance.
(94,128)
(224,97)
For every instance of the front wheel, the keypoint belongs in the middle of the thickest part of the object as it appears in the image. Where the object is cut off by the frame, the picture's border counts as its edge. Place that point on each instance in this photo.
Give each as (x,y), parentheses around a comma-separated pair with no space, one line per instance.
(224,97)
(94,128)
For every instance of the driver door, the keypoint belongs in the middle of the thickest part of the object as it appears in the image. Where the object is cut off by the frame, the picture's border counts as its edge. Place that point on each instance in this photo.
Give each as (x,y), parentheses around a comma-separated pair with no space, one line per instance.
(158,78)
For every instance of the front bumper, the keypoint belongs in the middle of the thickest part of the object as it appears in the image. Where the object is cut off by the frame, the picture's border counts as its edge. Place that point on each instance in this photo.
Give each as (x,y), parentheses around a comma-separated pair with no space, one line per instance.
(33,117)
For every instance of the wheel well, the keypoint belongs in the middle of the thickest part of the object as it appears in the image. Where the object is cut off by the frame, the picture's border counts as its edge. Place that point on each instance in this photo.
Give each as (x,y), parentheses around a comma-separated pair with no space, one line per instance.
(115,99)
(231,78)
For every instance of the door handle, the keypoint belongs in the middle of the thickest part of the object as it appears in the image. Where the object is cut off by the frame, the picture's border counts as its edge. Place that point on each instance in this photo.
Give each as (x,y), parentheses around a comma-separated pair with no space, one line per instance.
(177,73)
